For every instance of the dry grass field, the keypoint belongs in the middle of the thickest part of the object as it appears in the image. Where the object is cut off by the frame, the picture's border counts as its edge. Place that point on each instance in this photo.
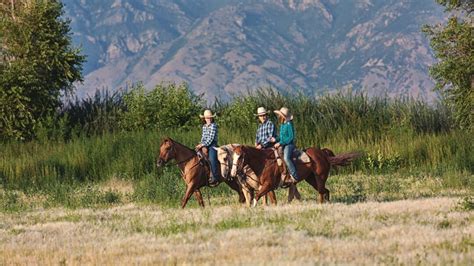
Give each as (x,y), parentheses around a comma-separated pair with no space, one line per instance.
(419,231)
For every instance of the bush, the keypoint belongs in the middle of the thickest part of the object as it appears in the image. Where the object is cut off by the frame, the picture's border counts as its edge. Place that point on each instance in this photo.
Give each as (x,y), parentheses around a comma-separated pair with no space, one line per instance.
(165,107)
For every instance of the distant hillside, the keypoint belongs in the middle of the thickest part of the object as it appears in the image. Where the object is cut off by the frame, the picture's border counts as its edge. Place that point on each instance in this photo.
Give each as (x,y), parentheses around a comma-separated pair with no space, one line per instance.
(224,47)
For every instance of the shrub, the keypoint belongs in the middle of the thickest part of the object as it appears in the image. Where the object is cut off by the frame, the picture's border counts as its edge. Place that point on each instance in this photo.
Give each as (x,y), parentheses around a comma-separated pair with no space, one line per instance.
(165,107)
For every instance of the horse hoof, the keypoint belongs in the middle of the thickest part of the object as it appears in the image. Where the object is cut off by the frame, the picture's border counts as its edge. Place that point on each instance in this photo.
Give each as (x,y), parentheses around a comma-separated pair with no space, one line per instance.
(254,203)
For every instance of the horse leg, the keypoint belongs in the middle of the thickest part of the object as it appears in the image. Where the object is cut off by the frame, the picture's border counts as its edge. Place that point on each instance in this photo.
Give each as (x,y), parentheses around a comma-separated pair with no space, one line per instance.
(198,196)
(233,185)
(189,191)
(272,196)
(265,200)
(248,196)
(315,184)
(293,193)
(297,193)
(263,190)
(326,195)
(324,177)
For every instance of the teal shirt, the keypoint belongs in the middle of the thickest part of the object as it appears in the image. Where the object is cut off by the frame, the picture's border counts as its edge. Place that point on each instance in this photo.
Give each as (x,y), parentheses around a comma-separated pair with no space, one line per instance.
(287,133)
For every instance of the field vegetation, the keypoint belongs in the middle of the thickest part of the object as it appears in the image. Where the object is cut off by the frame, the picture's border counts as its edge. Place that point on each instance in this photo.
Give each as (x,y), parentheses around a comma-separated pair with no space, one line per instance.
(421,231)
(411,149)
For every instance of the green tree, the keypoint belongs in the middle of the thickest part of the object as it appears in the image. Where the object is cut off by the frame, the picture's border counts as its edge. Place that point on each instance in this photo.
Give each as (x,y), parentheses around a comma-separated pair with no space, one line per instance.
(453,44)
(38,64)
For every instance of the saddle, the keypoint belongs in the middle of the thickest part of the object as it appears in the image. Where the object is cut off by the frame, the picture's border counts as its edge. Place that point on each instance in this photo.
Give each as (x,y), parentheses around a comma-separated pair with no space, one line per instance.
(297,156)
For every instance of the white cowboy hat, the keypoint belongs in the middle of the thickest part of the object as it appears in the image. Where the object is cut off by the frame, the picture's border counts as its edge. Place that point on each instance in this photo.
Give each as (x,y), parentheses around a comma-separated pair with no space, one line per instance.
(207,114)
(284,112)
(261,111)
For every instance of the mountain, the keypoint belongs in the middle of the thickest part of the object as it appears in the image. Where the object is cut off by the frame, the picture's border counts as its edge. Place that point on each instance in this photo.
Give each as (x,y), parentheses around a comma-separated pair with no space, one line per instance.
(225,47)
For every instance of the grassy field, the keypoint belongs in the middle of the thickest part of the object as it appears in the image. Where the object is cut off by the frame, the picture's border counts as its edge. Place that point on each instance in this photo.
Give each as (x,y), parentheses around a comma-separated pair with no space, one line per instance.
(421,231)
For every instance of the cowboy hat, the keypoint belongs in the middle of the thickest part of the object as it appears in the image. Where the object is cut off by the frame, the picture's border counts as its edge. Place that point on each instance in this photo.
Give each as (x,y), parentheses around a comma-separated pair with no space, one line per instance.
(207,114)
(261,111)
(284,112)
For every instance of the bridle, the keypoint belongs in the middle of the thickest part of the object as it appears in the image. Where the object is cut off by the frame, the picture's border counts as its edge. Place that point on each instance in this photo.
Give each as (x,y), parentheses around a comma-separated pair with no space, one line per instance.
(226,164)
(239,164)
(173,148)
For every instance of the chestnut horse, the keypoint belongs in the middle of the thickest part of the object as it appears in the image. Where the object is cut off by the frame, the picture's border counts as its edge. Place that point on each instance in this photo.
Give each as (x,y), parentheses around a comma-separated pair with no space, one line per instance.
(194,173)
(264,164)
(247,179)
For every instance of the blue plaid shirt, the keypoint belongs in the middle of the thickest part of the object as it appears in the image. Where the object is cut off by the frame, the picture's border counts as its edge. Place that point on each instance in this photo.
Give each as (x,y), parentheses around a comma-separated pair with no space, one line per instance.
(209,135)
(265,131)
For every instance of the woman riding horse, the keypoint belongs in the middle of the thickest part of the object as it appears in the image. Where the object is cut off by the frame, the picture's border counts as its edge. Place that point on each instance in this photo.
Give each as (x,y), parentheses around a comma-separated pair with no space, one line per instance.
(208,143)
(193,172)
(287,142)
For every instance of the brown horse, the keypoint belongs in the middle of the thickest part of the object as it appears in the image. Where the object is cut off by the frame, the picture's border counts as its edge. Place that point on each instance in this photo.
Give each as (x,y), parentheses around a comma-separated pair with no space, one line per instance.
(248,180)
(193,171)
(265,165)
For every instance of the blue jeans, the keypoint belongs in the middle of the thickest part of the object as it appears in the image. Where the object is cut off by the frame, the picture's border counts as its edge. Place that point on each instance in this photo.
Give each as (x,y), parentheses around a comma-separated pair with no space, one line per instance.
(214,162)
(287,153)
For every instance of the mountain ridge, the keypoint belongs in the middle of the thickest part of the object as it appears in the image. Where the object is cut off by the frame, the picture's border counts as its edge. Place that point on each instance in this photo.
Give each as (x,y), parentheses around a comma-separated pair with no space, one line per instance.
(223,48)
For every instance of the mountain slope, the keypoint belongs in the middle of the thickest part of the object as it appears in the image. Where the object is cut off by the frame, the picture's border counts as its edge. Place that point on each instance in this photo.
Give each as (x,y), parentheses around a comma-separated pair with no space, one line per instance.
(224,47)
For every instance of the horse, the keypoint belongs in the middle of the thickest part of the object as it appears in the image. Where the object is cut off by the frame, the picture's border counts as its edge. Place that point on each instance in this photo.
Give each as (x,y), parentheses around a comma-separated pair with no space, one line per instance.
(265,165)
(248,180)
(194,172)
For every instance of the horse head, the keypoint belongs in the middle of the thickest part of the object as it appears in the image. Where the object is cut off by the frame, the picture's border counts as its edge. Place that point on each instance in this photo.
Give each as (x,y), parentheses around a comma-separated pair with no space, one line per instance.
(167,152)
(237,160)
(224,155)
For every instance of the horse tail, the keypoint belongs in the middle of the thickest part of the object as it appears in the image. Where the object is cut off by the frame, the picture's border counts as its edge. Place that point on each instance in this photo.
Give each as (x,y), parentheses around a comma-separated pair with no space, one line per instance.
(343,159)
(328,152)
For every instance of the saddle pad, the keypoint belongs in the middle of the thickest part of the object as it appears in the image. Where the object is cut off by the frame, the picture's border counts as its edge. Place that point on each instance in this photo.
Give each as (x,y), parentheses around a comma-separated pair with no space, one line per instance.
(298,155)
(301,156)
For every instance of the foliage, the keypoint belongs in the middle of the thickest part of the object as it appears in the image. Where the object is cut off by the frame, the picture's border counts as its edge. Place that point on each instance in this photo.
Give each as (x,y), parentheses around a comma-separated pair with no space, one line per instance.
(164,107)
(16,118)
(37,64)
(93,115)
(453,45)
(400,136)
(345,115)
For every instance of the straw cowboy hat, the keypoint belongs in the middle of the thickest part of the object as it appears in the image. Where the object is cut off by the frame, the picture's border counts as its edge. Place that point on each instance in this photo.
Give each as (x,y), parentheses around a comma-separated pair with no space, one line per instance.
(207,114)
(284,112)
(261,111)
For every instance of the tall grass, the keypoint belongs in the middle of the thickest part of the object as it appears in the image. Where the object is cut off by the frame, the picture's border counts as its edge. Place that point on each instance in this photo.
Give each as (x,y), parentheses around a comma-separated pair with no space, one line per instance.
(400,136)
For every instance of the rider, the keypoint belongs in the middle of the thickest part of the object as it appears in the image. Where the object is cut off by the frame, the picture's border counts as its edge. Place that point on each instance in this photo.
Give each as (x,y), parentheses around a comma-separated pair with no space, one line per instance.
(208,141)
(287,141)
(266,133)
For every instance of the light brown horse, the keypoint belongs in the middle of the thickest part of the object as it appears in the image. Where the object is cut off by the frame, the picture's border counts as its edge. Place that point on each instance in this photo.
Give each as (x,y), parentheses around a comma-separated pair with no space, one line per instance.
(248,181)
(194,172)
(265,165)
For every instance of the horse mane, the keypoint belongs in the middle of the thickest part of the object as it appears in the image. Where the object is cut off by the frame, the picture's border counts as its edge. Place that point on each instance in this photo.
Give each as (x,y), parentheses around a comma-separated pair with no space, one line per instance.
(257,158)
(177,143)
(262,154)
